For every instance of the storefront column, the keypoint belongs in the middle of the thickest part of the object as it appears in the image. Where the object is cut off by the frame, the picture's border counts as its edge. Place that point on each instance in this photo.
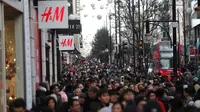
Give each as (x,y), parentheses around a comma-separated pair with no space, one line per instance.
(55,56)
(43,49)
(3,63)
(27,49)
(33,59)
(51,64)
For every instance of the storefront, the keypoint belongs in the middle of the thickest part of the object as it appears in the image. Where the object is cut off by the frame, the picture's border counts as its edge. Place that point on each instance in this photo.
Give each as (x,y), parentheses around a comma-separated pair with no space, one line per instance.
(11,52)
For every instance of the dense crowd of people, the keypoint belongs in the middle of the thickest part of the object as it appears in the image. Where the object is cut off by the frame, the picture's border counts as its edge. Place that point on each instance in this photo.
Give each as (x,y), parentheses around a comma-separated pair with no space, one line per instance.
(98,87)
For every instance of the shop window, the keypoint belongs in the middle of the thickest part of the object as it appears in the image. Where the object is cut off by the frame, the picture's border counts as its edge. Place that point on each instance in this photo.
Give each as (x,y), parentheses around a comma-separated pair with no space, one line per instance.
(14,59)
(10,53)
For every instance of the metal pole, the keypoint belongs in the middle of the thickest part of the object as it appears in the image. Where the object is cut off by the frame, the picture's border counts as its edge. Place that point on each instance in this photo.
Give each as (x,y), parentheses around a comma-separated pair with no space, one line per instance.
(110,40)
(179,40)
(184,33)
(133,19)
(174,38)
(140,56)
(116,32)
(120,40)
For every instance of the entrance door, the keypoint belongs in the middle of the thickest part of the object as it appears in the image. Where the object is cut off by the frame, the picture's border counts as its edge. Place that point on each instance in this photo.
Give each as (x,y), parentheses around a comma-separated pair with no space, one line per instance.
(47,63)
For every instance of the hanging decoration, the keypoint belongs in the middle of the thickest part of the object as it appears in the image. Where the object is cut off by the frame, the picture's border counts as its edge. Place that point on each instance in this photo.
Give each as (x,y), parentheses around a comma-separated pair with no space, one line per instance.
(69,5)
(99,17)
(92,5)
(101,7)
(81,8)
(85,15)
(93,8)
(109,1)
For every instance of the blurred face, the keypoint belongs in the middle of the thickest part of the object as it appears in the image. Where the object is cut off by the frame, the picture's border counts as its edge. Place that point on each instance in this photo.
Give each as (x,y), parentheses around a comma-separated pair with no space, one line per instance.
(92,95)
(129,96)
(140,106)
(51,104)
(116,85)
(113,98)
(75,107)
(117,108)
(124,103)
(109,87)
(104,98)
(81,100)
(132,87)
(152,96)
(78,92)
(57,90)
(20,109)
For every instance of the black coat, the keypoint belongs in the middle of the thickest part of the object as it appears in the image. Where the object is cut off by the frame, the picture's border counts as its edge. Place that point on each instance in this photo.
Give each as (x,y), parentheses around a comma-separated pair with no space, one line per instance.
(130,107)
(91,105)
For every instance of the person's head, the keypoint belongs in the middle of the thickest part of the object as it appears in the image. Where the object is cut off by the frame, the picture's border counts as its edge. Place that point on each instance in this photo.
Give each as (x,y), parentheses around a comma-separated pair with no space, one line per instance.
(92,92)
(81,99)
(51,103)
(104,97)
(77,92)
(160,92)
(81,86)
(116,85)
(117,107)
(18,105)
(151,95)
(56,88)
(132,87)
(128,95)
(74,105)
(113,96)
(152,106)
(188,92)
(109,87)
(140,102)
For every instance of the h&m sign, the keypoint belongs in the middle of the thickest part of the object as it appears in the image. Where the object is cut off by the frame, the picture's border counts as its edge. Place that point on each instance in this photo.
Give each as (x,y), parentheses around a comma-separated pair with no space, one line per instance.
(53,14)
(66,43)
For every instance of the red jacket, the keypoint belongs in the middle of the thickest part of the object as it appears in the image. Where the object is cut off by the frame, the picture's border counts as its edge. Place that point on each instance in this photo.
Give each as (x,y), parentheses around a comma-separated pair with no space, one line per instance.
(161,105)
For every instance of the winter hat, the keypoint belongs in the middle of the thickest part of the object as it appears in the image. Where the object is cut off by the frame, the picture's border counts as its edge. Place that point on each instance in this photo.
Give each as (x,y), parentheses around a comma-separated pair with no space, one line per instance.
(43,84)
(195,79)
(197,103)
(54,96)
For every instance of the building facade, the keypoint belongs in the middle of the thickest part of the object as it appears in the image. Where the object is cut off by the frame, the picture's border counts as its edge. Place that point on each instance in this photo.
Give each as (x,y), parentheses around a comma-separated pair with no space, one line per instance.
(15,55)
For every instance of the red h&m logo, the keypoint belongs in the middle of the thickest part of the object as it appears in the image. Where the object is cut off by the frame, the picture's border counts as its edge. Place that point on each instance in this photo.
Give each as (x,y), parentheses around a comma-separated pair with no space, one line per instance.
(66,42)
(49,15)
